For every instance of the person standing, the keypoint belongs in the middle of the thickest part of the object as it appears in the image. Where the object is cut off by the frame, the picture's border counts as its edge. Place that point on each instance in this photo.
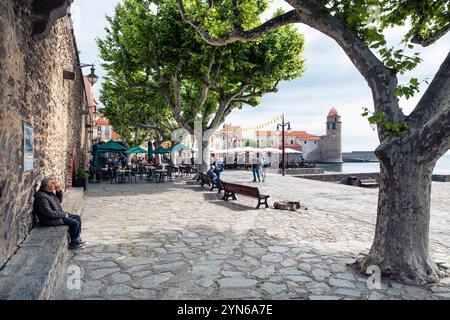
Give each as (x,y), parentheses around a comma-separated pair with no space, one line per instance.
(256,164)
(264,166)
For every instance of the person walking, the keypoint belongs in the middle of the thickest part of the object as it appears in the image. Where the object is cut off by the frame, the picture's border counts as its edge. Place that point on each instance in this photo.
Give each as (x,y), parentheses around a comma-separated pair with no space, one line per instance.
(256,165)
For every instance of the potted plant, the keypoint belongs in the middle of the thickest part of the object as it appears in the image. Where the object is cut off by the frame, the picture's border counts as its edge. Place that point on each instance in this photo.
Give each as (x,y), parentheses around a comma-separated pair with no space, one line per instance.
(81,177)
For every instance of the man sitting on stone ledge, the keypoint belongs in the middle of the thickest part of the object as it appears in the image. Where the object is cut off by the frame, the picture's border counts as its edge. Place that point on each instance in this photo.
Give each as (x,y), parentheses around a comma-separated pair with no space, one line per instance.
(47,207)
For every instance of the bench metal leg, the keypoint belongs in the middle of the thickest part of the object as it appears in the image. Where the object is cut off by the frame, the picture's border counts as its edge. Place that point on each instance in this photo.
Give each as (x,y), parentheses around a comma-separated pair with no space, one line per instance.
(262,201)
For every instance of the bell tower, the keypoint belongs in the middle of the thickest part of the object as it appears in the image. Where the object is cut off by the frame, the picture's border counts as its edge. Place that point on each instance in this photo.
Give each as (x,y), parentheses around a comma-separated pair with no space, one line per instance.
(334,124)
(331,145)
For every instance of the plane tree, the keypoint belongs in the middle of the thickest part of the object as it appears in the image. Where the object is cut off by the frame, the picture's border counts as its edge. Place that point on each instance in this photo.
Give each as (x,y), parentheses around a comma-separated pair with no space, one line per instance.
(150,47)
(410,144)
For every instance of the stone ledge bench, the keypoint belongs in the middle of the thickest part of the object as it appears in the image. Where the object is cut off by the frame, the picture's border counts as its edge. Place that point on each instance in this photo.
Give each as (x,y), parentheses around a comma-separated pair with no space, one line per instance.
(32,272)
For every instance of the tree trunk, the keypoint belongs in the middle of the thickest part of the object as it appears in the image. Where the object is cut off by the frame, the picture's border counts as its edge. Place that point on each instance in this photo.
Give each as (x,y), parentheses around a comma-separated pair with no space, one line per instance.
(205,155)
(401,244)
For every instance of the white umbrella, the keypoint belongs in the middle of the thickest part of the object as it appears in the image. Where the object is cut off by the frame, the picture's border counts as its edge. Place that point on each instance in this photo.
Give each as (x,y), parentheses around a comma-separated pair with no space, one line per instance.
(272,150)
(290,150)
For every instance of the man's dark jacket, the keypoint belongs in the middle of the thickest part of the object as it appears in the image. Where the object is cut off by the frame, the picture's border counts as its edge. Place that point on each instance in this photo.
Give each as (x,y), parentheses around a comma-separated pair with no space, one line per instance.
(47,207)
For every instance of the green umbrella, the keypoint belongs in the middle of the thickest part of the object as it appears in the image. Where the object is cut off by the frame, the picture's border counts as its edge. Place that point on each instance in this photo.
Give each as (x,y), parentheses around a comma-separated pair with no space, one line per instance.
(161,150)
(111,146)
(135,150)
(179,147)
(96,159)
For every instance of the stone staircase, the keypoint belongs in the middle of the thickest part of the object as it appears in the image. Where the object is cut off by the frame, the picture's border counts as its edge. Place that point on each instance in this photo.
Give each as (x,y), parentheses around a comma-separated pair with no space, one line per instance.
(33,271)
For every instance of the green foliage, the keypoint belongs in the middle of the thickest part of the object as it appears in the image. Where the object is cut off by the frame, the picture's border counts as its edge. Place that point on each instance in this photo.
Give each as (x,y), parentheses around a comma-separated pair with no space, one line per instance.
(148,50)
(408,91)
(81,174)
(128,108)
(379,118)
(369,19)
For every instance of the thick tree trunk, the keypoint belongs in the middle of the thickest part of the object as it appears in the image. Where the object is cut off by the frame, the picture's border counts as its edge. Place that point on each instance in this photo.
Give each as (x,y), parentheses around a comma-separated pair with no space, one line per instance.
(401,244)
(205,155)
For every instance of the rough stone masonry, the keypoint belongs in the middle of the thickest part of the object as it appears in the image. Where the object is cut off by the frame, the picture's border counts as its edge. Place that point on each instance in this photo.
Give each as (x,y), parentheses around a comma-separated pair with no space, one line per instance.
(33,91)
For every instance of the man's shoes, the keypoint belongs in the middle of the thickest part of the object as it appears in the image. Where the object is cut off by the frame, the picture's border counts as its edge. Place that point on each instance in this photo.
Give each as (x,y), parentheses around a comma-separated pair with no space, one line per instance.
(83,242)
(76,246)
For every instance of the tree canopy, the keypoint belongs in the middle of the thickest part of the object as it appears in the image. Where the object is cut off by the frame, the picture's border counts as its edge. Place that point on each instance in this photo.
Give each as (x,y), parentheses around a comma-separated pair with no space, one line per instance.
(168,69)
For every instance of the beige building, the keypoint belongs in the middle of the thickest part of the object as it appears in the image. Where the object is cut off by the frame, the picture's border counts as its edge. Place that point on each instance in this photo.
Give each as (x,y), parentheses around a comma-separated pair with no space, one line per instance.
(326,148)
(103,130)
(229,137)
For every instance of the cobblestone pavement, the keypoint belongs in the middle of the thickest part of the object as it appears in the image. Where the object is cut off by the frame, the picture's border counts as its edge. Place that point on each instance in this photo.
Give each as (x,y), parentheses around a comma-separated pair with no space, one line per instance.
(179,241)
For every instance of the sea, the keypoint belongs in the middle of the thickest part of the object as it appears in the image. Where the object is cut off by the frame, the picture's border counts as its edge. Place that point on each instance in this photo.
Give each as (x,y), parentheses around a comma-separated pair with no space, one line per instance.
(442,166)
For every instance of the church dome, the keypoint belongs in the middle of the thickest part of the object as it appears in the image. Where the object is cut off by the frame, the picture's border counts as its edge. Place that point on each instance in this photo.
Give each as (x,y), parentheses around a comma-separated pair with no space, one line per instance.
(333,113)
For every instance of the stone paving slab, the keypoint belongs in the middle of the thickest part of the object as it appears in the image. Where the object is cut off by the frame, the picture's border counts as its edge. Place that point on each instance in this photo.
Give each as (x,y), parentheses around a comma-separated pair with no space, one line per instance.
(167,241)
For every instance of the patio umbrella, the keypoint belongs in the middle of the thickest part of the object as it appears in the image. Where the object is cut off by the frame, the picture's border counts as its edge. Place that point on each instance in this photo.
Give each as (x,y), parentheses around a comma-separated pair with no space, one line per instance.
(179,147)
(96,159)
(135,150)
(160,150)
(111,146)
(290,150)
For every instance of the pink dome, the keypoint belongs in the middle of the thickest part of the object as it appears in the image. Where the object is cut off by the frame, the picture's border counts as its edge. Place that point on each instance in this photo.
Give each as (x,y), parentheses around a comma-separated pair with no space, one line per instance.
(333,113)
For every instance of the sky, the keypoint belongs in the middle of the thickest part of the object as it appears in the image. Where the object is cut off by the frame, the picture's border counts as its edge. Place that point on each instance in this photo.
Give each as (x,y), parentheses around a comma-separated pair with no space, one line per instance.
(330,79)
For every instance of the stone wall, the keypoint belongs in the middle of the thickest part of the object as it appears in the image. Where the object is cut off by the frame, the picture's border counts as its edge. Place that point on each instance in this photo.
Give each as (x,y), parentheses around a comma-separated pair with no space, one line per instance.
(32,90)
(340,177)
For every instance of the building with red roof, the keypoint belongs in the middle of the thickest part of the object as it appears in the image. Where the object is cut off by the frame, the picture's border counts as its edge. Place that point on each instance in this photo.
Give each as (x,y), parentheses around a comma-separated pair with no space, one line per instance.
(326,148)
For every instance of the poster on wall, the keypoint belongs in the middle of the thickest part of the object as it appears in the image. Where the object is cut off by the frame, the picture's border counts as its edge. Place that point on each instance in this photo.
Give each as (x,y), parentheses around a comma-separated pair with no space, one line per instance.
(28,150)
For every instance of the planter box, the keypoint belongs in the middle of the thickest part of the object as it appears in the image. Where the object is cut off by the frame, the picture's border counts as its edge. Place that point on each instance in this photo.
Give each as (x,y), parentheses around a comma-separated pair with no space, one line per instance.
(80,183)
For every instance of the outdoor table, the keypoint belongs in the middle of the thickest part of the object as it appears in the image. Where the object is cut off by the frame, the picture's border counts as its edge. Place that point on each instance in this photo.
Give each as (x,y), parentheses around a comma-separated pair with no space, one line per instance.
(161,175)
(121,174)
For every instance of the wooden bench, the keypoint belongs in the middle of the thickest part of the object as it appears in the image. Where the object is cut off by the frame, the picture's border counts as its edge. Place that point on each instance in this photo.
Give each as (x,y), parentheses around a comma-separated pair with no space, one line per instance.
(231,189)
(368,183)
(205,179)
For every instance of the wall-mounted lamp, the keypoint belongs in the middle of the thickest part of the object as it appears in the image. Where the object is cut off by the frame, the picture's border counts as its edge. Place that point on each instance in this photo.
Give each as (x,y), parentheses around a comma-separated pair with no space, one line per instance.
(93,78)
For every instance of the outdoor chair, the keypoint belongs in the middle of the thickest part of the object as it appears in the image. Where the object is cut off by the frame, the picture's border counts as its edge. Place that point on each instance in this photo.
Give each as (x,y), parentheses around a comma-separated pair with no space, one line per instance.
(169,173)
(132,174)
(112,175)
(151,176)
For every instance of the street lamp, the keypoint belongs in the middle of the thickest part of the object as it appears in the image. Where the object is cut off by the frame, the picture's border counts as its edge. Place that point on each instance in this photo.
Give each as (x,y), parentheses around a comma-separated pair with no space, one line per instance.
(282,126)
(93,78)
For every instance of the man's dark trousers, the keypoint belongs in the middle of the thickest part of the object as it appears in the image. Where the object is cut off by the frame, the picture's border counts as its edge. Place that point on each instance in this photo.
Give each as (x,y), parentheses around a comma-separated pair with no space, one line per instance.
(74,223)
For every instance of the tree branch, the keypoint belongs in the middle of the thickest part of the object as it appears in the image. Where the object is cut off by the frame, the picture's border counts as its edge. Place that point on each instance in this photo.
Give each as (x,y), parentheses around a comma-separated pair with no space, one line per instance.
(224,103)
(436,98)
(434,136)
(239,35)
(260,92)
(381,80)
(425,42)
(208,84)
